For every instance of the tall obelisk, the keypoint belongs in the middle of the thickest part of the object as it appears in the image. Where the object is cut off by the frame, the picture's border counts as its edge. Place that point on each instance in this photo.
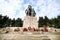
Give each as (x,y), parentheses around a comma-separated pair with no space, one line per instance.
(30,20)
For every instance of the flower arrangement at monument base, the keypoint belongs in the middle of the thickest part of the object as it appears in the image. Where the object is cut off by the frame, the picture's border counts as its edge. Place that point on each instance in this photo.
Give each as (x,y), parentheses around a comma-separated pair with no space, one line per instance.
(16,30)
(36,30)
(25,29)
(29,28)
(45,29)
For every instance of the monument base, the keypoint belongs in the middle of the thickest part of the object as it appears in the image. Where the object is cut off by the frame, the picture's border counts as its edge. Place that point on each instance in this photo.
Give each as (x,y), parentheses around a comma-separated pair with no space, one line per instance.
(30,21)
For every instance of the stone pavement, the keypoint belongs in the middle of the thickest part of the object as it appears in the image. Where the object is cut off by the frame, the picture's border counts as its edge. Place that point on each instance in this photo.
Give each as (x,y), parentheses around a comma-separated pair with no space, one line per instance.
(17,36)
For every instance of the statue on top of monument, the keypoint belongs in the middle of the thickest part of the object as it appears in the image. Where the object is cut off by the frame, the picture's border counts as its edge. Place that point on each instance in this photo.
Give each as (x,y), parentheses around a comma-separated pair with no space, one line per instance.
(30,11)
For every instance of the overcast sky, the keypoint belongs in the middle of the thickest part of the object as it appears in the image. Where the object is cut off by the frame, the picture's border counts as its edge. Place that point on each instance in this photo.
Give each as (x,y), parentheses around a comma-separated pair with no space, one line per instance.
(16,8)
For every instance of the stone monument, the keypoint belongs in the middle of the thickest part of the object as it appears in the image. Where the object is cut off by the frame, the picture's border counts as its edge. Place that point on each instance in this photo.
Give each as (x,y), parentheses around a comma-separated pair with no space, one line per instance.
(30,20)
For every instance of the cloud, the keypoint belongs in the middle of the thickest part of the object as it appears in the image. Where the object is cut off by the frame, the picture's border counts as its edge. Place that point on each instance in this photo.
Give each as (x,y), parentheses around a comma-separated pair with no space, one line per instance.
(10,7)
(16,8)
(48,8)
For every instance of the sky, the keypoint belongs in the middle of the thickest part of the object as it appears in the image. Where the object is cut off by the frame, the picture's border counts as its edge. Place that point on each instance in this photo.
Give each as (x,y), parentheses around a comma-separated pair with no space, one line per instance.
(16,8)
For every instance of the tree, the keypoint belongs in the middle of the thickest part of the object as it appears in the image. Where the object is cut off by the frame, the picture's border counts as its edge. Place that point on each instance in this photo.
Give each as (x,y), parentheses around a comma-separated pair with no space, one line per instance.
(58,24)
(1,21)
(17,23)
(46,21)
(40,22)
(13,22)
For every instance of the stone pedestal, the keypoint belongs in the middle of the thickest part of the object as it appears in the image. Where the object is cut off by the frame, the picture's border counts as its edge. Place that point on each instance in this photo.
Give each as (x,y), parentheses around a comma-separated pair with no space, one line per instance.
(30,21)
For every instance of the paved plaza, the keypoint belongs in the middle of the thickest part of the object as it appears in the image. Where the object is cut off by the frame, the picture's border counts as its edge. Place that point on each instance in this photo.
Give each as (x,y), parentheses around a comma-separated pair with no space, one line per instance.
(41,36)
